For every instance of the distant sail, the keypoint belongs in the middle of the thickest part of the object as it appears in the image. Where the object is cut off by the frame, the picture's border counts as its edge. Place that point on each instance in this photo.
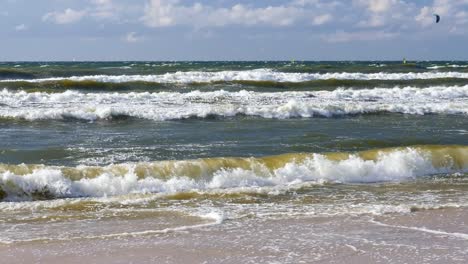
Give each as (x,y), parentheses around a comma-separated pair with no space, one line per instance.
(437,18)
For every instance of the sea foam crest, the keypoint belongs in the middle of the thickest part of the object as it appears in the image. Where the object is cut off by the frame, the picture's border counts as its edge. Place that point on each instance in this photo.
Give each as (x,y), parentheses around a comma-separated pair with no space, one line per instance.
(172,106)
(251,75)
(395,165)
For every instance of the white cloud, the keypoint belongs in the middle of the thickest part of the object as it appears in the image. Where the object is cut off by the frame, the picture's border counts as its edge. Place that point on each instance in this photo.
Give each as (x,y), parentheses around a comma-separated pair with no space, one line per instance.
(164,13)
(342,36)
(66,17)
(443,7)
(104,9)
(373,21)
(132,38)
(102,2)
(461,17)
(381,13)
(346,16)
(319,4)
(322,19)
(159,14)
(379,6)
(97,9)
(425,17)
(21,27)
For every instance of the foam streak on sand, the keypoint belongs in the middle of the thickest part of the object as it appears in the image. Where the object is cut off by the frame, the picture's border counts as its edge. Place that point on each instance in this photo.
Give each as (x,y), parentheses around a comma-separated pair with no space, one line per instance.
(171,106)
(425,230)
(212,218)
(400,164)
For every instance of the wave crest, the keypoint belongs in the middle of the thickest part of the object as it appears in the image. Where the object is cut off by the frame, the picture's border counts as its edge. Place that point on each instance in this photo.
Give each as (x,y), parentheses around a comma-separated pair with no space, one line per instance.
(19,182)
(173,106)
(249,75)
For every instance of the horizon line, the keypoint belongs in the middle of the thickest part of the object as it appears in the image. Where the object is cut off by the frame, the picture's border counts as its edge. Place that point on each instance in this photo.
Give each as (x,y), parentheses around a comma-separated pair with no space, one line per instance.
(291,60)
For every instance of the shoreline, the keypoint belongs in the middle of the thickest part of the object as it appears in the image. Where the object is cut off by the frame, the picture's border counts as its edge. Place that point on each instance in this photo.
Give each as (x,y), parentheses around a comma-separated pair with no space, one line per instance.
(433,236)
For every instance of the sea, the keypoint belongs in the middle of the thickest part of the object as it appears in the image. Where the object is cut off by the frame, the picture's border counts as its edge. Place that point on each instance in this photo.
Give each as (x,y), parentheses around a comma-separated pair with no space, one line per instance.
(266,154)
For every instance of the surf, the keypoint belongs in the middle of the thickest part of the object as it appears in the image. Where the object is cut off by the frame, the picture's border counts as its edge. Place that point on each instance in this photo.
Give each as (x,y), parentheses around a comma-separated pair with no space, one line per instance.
(248,75)
(39,182)
(166,106)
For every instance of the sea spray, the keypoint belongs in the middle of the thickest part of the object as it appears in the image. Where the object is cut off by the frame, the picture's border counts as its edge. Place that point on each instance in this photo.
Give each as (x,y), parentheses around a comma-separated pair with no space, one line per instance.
(385,165)
(161,106)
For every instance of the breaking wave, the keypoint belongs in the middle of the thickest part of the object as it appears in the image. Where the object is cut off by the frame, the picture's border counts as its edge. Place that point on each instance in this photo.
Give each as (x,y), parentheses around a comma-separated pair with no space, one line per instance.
(249,75)
(140,86)
(163,106)
(32,182)
(435,67)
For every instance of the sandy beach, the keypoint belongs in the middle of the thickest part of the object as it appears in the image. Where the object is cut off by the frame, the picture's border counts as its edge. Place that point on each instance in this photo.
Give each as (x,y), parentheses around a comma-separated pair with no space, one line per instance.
(233,131)
(428,236)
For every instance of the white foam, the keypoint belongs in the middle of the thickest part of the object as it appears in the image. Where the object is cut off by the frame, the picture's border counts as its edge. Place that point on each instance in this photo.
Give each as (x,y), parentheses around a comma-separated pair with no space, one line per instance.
(251,75)
(426,230)
(170,105)
(435,67)
(214,217)
(397,165)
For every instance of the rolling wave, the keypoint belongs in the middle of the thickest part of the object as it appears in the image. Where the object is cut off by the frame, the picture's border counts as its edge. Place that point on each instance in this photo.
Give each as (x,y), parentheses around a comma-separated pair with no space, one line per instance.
(30,182)
(264,85)
(249,75)
(163,106)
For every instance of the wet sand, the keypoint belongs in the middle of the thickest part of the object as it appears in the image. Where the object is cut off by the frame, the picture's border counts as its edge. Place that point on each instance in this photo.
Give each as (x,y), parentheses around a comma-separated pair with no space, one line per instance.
(430,236)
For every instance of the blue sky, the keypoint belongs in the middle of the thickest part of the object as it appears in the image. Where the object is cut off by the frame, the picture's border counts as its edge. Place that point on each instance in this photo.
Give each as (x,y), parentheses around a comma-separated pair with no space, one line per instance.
(233,30)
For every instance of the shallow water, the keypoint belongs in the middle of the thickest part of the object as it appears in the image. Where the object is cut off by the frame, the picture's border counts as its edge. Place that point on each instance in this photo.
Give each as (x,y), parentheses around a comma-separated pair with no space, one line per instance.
(97,150)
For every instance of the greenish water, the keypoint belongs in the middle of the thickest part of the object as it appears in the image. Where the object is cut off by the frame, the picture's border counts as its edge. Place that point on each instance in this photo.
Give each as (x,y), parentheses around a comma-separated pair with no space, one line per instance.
(71,143)
(119,145)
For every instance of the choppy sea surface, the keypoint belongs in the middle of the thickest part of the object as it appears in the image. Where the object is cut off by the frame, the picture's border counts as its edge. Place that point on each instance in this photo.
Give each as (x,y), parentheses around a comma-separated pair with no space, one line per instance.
(91,150)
